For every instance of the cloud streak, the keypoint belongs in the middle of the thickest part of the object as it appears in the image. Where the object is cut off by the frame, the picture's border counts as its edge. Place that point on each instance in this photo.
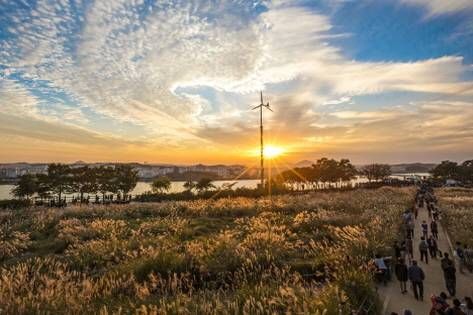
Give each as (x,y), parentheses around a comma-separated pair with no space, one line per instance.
(184,73)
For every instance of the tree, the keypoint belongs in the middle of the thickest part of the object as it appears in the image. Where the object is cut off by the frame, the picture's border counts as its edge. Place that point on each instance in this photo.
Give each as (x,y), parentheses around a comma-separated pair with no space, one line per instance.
(189,185)
(204,184)
(376,171)
(105,180)
(324,170)
(26,186)
(161,184)
(43,186)
(127,178)
(328,170)
(59,178)
(347,171)
(84,180)
(464,172)
(445,170)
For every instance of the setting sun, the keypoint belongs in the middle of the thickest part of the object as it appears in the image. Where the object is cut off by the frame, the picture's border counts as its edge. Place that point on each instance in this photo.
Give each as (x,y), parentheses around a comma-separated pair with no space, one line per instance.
(269,151)
(272,151)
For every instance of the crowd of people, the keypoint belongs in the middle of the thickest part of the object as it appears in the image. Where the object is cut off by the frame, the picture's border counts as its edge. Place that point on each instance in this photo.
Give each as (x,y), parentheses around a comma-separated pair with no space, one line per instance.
(408,270)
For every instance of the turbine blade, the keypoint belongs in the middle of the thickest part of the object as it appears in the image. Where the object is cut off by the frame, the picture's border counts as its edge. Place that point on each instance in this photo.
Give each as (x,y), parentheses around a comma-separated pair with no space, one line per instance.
(256,107)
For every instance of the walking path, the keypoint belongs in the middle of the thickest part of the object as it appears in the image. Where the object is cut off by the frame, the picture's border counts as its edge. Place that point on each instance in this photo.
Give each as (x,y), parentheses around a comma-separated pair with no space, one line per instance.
(434,283)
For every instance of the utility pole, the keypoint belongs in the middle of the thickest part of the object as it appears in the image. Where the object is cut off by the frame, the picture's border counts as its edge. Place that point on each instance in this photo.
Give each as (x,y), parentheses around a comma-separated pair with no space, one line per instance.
(260,106)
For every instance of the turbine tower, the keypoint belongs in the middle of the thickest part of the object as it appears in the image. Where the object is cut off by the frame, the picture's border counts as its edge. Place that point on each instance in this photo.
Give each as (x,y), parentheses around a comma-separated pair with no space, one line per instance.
(260,106)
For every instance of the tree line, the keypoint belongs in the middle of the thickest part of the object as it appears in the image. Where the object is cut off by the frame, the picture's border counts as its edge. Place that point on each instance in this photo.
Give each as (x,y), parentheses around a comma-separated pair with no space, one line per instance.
(452,170)
(162,185)
(330,173)
(120,179)
(63,179)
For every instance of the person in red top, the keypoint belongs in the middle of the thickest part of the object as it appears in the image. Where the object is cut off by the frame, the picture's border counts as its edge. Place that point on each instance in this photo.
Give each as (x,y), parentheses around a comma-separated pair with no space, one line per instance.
(439,304)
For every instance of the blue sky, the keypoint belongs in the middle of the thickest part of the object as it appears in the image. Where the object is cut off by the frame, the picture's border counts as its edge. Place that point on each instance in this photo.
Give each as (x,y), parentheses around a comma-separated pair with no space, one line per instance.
(174,81)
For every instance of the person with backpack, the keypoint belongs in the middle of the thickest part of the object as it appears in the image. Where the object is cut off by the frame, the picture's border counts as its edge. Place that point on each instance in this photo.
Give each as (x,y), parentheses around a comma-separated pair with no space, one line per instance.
(423,248)
(416,276)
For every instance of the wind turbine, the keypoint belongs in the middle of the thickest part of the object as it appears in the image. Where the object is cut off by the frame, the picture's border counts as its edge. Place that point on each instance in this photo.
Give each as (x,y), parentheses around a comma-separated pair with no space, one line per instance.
(260,106)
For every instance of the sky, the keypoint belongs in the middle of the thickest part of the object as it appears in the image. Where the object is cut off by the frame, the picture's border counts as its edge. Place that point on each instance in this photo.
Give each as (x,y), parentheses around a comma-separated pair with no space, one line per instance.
(175,81)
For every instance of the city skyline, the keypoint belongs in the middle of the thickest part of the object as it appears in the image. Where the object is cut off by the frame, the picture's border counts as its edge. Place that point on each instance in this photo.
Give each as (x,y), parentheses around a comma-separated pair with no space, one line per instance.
(175,81)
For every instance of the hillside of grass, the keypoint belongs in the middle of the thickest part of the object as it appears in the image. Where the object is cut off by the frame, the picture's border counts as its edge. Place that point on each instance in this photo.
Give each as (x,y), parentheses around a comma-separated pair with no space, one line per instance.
(297,254)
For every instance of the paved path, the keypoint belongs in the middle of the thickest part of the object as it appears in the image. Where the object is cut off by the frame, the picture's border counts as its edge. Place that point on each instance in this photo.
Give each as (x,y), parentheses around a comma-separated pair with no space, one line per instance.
(434,283)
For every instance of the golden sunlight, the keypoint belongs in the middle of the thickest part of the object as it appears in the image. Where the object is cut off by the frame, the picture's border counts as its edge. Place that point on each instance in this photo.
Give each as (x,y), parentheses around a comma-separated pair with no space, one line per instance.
(271,151)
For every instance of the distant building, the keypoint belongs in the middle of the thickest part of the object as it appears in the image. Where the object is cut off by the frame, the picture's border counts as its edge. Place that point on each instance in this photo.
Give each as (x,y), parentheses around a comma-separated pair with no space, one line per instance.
(150,171)
(15,170)
(145,171)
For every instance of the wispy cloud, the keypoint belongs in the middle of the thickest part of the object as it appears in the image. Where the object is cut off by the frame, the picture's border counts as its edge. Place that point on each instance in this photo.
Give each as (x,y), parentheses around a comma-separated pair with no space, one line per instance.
(184,72)
(436,7)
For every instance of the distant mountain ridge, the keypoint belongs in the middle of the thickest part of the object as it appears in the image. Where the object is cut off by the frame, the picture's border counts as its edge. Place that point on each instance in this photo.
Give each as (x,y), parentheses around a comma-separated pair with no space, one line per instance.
(412,167)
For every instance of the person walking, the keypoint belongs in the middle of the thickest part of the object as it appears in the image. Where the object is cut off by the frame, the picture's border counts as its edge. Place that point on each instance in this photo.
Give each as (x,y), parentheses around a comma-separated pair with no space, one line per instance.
(423,248)
(433,248)
(410,228)
(397,250)
(416,276)
(449,274)
(430,207)
(434,229)
(381,268)
(402,247)
(445,260)
(460,256)
(425,229)
(468,257)
(400,269)
(410,248)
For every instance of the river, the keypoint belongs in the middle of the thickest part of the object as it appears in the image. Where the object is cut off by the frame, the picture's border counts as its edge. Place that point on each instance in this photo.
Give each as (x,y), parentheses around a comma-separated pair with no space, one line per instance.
(178,186)
(142,187)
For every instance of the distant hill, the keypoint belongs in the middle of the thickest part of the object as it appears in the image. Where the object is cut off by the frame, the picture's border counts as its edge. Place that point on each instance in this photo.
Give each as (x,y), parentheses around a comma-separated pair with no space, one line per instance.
(304,163)
(412,167)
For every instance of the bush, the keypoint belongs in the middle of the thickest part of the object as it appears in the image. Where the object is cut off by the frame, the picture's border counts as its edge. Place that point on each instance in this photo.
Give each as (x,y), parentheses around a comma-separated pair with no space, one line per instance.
(15,204)
(164,264)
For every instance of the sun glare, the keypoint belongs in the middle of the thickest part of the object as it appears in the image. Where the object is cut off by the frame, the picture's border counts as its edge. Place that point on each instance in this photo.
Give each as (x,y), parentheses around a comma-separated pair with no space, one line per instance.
(271,152)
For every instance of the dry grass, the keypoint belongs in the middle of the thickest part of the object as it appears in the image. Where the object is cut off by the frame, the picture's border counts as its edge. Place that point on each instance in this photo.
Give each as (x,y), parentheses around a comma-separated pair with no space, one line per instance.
(293,254)
(457,207)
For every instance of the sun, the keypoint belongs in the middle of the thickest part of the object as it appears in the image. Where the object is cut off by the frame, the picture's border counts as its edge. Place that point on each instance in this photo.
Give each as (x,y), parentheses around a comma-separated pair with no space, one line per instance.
(271,152)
